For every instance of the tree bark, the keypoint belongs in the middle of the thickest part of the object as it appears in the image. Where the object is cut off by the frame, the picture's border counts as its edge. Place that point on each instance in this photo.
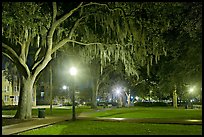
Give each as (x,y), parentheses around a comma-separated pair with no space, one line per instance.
(34,95)
(24,110)
(94,94)
(50,88)
(174,98)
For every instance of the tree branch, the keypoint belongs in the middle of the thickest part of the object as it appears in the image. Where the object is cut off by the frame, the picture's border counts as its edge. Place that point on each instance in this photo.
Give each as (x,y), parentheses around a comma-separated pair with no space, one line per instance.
(8,56)
(54,11)
(61,43)
(37,63)
(10,50)
(57,22)
(22,62)
(106,5)
(74,27)
(17,58)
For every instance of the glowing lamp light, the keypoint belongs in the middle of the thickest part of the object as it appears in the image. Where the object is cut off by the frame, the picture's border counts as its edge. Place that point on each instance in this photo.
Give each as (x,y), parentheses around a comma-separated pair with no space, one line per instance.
(73,71)
(64,87)
(117,91)
(191,89)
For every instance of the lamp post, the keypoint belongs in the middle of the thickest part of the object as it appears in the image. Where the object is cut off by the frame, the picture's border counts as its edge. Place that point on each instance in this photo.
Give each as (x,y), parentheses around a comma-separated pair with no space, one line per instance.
(73,72)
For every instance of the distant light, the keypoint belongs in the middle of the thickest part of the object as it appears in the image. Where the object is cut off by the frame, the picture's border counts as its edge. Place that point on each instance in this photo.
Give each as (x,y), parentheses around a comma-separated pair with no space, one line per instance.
(136,97)
(64,87)
(73,71)
(131,97)
(118,91)
(191,89)
(97,99)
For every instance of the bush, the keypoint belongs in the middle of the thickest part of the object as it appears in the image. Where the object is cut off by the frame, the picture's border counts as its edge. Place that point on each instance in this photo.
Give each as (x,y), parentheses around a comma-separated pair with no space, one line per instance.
(67,104)
(88,103)
(9,107)
(150,104)
(114,104)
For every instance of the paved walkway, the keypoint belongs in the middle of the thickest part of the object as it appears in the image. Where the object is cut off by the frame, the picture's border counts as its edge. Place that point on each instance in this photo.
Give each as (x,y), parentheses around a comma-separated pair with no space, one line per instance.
(48,120)
(35,123)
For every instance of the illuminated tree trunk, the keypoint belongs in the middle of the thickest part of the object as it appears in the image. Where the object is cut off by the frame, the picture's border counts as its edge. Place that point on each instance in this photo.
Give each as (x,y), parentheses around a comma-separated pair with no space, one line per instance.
(175,98)
(50,88)
(120,101)
(94,94)
(24,110)
(34,95)
(128,97)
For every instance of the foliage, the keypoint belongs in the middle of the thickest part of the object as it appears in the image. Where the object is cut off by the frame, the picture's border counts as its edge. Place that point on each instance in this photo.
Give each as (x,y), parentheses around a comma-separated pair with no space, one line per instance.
(151,104)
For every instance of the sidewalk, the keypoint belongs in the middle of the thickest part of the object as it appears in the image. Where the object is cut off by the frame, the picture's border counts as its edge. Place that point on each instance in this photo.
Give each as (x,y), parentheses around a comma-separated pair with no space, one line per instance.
(35,123)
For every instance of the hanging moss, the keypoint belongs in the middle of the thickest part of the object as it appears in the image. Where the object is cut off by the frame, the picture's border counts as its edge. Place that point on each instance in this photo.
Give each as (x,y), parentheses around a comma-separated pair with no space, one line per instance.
(9,32)
(143,38)
(148,68)
(151,58)
(156,57)
(38,40)
(95,22)
(165,52)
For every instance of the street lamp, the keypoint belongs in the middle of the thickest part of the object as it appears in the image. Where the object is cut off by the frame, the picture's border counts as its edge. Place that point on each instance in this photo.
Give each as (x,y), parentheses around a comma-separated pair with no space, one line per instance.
(73,72)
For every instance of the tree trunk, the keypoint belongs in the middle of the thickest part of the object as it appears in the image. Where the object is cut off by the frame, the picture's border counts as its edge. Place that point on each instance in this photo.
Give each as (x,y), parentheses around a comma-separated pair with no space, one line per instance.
(34,95)
(24,110)
(128,98)
(175,98)
(94,94)
(50,88)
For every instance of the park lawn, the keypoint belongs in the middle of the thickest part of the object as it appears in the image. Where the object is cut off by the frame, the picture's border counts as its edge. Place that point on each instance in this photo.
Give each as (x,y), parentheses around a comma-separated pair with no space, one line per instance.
(88,127)
(55,111)
(150,112)
(132,112)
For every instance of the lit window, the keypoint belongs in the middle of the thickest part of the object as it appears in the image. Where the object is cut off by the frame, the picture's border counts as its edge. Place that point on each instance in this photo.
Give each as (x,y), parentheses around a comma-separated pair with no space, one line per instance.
(16,89)
(6,88)
(42,94)
(6,97)
(16,98)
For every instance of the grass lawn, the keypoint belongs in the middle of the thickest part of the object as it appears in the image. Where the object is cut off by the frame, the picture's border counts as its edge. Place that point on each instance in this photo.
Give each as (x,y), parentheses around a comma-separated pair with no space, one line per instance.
(86,127)
(150,112)
(55,112)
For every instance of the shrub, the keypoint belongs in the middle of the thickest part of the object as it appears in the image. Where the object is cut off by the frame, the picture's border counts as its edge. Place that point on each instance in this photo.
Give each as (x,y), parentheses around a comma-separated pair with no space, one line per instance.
(9,107)
(150,104)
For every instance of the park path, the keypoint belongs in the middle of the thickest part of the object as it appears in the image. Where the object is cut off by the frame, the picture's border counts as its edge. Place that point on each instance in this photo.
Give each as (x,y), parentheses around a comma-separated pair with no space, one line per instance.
(34,123)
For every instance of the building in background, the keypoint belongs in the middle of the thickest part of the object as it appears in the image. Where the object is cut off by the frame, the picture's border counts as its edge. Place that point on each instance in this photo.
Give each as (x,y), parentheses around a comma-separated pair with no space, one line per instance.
(11,91)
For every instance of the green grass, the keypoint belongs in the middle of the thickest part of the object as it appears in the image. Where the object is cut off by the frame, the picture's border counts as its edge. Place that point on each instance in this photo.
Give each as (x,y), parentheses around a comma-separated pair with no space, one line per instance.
(84,127)
(88,127)
(55,111)
(150,112)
